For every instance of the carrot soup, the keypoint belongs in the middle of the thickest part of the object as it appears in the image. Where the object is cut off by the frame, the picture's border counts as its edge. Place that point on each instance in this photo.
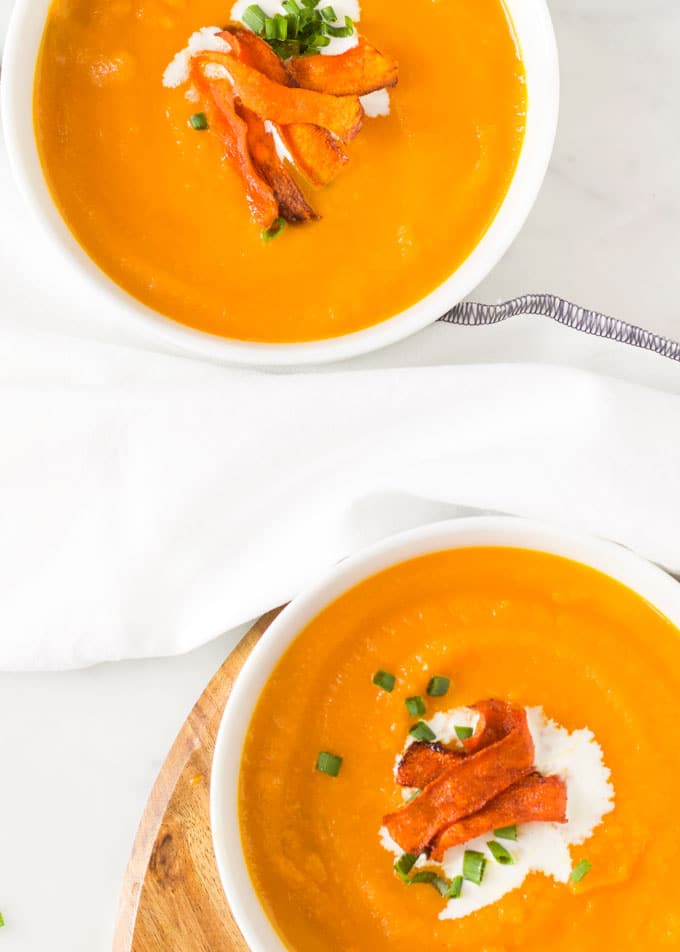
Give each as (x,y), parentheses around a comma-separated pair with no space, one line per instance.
(471,750)
(279,172)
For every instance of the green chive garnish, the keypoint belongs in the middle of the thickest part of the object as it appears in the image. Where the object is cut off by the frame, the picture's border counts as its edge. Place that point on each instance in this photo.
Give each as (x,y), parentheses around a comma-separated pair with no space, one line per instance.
(415,706)
(422,731)
(254,17)
(438,686)
(384,680)
(580,870)
(198,121)
(462,733)
(440,885)
(506,833)
(474,864)
(339,30)
(286,48)
(2,921)
(281,26)
(431,879)
(302,31)
(455,888)
(404,865)
(328,763)
(416,793)
(274,230)
(500,854)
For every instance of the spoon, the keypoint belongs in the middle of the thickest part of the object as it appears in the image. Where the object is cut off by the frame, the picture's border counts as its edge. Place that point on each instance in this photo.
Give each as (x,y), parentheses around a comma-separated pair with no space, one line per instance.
(571,315)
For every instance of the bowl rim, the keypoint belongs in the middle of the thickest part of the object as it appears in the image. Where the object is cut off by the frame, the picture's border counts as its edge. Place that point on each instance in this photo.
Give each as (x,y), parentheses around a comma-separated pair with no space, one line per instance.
(16,89)
(644,578)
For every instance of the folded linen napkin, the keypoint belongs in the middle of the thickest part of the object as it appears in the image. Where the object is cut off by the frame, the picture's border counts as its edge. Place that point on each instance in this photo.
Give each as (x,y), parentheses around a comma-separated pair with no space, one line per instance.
(149,502)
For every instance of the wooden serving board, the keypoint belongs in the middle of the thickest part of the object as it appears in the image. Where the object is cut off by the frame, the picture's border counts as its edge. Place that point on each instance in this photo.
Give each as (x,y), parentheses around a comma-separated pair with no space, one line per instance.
(172,899)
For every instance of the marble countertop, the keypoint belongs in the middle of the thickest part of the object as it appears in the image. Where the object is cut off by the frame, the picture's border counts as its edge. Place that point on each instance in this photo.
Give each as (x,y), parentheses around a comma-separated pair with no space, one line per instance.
(81,750)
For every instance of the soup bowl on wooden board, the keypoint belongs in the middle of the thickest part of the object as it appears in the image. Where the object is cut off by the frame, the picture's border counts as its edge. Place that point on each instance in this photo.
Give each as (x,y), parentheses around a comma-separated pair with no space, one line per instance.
(499,607)
(389,254)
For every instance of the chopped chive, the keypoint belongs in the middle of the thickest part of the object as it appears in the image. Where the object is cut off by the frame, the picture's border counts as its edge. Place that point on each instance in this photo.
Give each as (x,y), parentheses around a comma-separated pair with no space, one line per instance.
(255,18)
(303,21)
(404,865)
(462,733)
(474,864)
(328,763)
(416,793)
(440,885)
(506,833)
(430,878)
(385,680)
(2,921)
(274,230)
(500,854)
(285,48)
(455,888)
(415,705)
(580,870)
(438,686)
(422,731)
(198,121)
(339,30)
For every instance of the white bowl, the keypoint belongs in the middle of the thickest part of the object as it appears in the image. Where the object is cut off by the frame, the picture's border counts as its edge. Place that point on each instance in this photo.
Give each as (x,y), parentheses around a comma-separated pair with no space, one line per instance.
(647,580)
(537,41)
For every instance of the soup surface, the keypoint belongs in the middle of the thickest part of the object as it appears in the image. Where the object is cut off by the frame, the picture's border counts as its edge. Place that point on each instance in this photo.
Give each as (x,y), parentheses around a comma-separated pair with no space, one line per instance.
(151,201)
(525,626)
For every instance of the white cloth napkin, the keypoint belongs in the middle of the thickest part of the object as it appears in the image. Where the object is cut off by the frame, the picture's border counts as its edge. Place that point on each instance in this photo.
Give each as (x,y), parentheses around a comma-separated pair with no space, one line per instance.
(150,502)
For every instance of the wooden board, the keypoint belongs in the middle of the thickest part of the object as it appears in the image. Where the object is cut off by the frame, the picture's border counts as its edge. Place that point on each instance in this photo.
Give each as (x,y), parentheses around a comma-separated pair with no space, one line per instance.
(172,899)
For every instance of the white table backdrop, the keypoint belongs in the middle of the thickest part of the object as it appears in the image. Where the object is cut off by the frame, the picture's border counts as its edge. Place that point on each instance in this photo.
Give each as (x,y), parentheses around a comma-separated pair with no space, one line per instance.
(80,750)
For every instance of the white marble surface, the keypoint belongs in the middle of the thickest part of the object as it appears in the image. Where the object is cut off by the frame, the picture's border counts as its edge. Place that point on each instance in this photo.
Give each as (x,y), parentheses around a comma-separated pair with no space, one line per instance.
(80,750)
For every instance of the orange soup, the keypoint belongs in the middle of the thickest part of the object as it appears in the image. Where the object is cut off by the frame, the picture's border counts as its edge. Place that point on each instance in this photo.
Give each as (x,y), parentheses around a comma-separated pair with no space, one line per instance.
(150,199)
(528,627)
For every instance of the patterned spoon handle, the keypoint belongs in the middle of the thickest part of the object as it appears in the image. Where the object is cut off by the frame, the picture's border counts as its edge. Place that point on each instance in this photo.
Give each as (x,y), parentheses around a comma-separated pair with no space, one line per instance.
(571,315)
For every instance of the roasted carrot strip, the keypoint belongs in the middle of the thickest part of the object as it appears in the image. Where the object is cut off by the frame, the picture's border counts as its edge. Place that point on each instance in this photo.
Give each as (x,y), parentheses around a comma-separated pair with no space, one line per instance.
(292,204)
(464,788)
(284,105)
(252,50)
(423,762)
(533,798)
(223,120)
(316,154)
(360,70)
(496,719)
